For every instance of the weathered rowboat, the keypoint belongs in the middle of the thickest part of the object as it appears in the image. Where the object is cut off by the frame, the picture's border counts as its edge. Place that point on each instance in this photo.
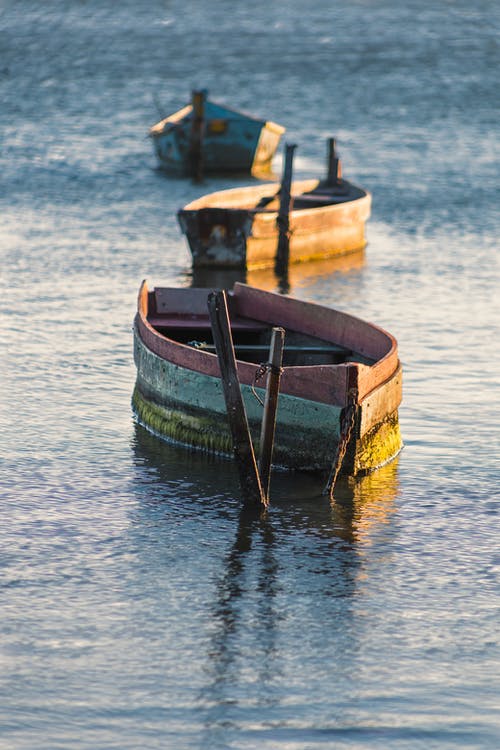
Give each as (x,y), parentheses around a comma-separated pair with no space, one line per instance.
(208,137)
(333,363)
(239,228)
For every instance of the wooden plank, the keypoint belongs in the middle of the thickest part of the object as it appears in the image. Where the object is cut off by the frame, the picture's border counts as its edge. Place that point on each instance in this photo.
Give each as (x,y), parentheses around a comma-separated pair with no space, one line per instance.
(242,443)
(173,323)
(175,301)
(381,401)
(263,348)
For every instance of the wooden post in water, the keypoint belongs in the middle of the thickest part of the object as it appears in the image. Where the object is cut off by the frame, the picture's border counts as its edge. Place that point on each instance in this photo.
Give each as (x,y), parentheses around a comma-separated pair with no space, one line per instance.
(333,164)
(242,443)
(270,407)
(198,99)
(283,220)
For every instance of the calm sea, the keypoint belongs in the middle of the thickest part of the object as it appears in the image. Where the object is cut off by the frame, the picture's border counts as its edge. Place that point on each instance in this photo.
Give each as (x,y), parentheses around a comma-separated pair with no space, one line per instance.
(140,607)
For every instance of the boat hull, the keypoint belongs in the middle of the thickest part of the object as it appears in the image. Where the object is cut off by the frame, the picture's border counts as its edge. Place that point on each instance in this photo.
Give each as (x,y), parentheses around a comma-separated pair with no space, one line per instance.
(223,230)
(178,395)
(232,142)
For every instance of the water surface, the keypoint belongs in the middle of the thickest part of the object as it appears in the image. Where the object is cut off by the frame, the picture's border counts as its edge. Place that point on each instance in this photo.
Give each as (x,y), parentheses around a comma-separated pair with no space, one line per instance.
(141,607)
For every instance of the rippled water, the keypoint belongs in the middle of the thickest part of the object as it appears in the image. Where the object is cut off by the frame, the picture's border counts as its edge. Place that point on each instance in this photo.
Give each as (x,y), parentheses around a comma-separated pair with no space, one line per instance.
(141,608)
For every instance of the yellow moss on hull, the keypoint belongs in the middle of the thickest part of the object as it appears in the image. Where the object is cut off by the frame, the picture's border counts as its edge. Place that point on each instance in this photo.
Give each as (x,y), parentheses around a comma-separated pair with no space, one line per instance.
(378,446)
(190,430)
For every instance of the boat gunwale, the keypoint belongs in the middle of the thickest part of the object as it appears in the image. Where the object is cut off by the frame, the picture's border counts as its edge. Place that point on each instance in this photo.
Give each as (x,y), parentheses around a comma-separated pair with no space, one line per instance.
(322,383)
(213,200)
(369,377)
(183,113)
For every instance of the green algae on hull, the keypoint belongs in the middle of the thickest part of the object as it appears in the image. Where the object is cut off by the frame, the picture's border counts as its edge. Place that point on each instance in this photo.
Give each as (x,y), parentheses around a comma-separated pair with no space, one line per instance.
(197,431)
(211,434)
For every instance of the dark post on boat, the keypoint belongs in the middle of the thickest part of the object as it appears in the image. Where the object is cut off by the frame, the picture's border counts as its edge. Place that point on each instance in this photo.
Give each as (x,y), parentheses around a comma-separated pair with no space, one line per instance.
(197,132)
(333,164)
(238,423)
(283,220)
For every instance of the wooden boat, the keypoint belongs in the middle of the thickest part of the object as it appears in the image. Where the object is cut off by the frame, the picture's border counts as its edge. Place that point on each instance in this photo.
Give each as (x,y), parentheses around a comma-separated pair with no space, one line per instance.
(239,228)
(333,364)
(208,137)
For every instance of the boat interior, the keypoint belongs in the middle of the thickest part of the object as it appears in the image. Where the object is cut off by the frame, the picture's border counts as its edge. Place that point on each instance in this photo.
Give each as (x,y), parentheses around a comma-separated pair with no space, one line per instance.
(324,194)
(251,338)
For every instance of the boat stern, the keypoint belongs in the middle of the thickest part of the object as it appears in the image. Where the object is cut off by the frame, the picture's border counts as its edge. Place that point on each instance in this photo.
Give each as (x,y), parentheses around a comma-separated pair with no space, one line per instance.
(217,237)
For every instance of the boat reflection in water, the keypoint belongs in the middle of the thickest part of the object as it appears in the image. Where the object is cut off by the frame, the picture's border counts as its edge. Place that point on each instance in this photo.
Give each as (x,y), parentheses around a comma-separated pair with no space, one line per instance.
(289,575)
(361,506)
(298,275)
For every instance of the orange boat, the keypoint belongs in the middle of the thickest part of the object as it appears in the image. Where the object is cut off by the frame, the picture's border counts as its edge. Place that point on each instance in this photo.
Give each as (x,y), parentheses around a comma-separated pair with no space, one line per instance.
(240,227)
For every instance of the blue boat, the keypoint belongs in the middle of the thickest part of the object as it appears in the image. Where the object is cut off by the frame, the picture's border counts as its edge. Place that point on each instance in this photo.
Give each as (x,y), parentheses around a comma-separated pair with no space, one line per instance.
(205,137)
